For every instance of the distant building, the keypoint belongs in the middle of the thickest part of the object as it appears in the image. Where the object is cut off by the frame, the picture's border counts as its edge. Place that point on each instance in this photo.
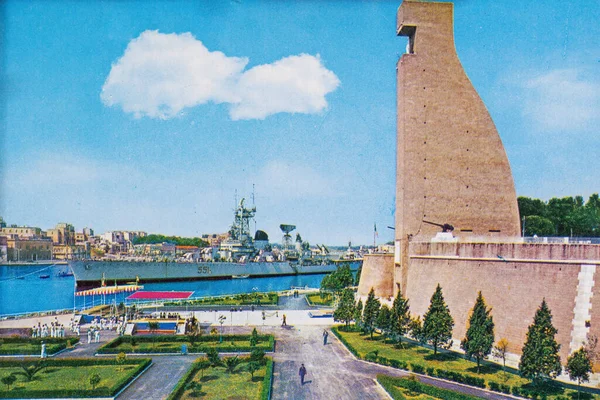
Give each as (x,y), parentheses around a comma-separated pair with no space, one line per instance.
(21,231)
(63,234)
(214,239)
(3,249)
(28,249)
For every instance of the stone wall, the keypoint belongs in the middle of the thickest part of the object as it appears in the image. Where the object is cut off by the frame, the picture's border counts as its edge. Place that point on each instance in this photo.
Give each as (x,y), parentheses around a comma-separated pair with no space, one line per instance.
(377,273)
(513,286)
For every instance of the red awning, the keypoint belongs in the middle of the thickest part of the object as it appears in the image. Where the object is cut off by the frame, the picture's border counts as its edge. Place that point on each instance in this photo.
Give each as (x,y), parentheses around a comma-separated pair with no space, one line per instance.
(159,295)
(109,290)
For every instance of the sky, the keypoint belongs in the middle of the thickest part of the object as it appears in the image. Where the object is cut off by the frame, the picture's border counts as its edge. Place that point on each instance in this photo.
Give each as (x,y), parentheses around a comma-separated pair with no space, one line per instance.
(157,116)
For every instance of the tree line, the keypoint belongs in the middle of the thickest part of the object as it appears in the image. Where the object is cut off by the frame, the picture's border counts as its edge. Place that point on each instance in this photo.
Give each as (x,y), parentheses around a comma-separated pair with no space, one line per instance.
(566,216)
(540,357)
(179,241)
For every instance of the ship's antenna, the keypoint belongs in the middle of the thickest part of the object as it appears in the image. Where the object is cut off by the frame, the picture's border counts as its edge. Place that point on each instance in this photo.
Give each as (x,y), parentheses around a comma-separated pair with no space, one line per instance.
(254,205)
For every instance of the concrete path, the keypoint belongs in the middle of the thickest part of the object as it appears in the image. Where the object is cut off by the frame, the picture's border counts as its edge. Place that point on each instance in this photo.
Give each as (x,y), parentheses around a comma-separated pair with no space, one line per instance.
(333,372)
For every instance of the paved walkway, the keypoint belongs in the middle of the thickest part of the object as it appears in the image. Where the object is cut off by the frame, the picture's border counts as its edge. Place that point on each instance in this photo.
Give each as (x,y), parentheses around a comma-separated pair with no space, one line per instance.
(333,372)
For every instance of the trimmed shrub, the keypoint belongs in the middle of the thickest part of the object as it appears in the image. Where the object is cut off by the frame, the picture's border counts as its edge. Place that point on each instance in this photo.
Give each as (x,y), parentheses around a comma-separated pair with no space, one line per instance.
(417,368)
(391,384)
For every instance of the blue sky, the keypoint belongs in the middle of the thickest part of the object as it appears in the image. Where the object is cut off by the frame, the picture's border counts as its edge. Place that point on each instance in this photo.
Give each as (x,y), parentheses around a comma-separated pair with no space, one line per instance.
(150,115)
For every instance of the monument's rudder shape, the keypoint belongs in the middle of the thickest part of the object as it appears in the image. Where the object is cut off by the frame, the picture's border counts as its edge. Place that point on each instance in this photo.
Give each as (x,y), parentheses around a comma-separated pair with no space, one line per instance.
(451,165)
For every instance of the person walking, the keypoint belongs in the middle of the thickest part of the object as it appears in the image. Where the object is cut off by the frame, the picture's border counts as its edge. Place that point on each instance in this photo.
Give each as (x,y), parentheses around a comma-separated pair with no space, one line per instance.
(284,323)
(302,373)
(325,335)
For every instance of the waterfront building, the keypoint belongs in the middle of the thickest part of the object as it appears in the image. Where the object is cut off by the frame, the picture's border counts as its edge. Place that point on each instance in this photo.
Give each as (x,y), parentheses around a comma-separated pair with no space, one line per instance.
(28,249)
(3,249)
(22,231)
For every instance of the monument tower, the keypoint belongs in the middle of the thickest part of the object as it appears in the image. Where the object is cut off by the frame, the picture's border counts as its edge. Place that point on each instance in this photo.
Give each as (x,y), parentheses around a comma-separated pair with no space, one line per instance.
(451,165)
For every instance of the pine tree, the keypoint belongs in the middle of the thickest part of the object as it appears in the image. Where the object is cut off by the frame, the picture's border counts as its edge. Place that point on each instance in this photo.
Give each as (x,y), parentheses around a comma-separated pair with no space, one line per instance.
(437,322)
(540,353)
(479,338)
(370,312)
(358,311)
(400,323)
(579,367)
(345,310)
(384,319)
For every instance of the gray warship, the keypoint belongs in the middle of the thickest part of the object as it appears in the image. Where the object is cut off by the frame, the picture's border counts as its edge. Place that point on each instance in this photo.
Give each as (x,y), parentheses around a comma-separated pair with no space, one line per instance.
(238,256)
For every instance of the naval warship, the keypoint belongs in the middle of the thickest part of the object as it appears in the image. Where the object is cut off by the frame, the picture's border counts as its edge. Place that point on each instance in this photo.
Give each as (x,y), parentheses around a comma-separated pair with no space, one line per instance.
(240,255)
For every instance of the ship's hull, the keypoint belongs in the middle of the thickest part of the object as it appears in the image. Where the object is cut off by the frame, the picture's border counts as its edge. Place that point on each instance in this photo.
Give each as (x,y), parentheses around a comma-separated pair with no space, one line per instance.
(87,272)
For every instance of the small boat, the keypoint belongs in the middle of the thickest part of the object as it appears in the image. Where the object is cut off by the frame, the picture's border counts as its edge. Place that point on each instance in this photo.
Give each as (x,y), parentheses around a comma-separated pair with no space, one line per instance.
(63,274)
(240,276)
(45,276)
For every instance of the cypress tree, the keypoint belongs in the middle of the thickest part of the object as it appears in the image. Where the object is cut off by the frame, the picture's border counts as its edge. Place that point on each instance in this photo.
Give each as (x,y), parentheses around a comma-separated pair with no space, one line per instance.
(400,323)
(345,310)
(358,310)
(384,319)
(479,338)
(540,353)
(372,306)
(437,322)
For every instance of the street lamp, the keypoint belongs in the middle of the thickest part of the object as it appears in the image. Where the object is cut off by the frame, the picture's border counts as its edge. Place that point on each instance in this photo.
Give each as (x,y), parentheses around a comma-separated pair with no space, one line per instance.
(222,319)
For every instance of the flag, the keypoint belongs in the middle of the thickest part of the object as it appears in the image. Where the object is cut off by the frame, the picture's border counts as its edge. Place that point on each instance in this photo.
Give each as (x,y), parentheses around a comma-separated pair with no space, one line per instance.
(375,229)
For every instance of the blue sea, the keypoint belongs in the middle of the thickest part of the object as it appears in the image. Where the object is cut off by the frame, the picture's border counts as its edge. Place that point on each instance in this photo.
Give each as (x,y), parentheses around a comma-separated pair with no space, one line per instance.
(23,291)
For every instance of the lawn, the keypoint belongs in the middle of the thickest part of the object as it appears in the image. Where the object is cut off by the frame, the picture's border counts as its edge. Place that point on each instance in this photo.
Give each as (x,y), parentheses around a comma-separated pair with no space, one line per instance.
(173,344)
(31,346)
(315,299)
(237,300)
(69,377)
(422,360)
(217,384)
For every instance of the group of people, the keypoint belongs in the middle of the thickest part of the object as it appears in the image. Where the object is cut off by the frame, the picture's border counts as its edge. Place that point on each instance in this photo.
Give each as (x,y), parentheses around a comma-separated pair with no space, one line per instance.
(54,330)
(164,315)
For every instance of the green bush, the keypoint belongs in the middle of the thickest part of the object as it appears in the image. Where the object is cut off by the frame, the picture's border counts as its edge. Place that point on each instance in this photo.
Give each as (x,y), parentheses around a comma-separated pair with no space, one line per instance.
(265,393)
(53,345)
(417,368)
(112,347)
(390,384)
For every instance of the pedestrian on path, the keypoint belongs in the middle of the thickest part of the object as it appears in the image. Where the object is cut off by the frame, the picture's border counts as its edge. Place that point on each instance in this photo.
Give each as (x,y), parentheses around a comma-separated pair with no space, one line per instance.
(325,335)
(284,323)
(302,373)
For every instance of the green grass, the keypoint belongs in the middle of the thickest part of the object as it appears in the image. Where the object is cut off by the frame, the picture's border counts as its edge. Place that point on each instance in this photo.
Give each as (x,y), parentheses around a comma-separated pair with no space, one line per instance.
(31,346)
(246,299)
(172,344)
(69,378)
(315,299)
(412,354)
(218,384)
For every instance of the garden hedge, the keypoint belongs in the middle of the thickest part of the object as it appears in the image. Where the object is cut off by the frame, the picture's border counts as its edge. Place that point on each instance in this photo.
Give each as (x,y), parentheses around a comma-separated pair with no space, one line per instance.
(141,363)
(112,346)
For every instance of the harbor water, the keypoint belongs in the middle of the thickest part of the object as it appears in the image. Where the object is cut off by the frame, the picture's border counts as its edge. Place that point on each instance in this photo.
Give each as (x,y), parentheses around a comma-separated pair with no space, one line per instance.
(37,288)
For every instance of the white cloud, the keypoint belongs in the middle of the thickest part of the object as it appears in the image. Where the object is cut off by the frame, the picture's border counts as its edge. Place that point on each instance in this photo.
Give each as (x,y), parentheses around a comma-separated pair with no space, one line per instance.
(295,84)
(160,75)
(562,101)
